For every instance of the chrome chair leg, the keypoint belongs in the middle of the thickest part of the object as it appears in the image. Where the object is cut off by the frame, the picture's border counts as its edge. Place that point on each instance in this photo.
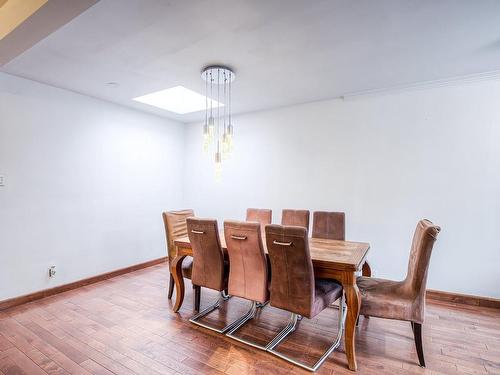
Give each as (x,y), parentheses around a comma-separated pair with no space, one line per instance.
(262,304)
(248,316)
(291,327)
(223,297)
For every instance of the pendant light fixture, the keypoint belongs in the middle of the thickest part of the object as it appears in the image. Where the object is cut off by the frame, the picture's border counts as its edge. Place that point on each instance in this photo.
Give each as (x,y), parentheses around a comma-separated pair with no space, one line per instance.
(218,126)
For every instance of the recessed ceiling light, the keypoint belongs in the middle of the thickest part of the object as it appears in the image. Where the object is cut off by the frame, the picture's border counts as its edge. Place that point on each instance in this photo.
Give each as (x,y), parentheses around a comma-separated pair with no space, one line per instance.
(178,99)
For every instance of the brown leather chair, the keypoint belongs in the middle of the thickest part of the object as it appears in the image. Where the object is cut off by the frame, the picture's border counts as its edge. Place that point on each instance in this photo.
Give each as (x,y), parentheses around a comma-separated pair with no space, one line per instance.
(262,216)
(329,225)
(175,227)
(248,276)
(294,287)
(298,218)
(403,300)
(210,268)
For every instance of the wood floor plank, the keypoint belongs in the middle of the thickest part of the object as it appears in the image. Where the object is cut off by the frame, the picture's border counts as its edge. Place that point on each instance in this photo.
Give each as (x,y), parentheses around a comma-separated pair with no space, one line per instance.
(125,325)
(9,367)
(57,343)
(44,362)
(95,368)
(4,343)
(18,361)
(43,346)
(103,354)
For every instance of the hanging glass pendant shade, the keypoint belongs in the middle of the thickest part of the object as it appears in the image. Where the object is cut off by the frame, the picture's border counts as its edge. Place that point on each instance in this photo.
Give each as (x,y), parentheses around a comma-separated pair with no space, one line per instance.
(218,129)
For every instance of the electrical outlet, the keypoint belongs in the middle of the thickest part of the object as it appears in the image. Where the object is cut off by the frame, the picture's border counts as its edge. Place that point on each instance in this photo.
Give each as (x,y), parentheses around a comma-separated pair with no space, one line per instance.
(2,180)
(52,271)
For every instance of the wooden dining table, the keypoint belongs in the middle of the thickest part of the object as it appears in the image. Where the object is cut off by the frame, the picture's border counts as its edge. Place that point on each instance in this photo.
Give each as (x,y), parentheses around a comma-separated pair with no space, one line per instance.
(332,259)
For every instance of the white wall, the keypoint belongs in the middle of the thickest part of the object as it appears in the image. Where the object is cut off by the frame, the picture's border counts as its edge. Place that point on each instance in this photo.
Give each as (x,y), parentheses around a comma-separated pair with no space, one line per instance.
(385,160)
(86,183)
(87,180)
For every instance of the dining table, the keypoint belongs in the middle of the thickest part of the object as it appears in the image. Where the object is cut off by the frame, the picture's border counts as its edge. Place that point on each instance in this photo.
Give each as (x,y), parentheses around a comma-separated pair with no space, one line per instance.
(332,259)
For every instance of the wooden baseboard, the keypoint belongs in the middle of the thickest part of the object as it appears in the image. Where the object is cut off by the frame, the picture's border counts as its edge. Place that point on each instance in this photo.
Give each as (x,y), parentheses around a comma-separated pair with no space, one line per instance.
(462,299)
(5,304)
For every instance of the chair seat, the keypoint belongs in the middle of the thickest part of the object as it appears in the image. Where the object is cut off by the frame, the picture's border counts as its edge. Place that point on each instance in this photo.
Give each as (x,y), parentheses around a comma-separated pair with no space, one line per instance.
(388,299)
(187,267)
(326,292)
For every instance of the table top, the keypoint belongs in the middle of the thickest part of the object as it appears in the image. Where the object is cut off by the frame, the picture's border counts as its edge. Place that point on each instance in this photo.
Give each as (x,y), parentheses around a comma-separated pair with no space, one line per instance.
(334,254)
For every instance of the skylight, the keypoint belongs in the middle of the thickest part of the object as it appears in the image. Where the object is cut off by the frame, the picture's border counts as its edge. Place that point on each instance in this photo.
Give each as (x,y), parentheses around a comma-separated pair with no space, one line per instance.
(177,99)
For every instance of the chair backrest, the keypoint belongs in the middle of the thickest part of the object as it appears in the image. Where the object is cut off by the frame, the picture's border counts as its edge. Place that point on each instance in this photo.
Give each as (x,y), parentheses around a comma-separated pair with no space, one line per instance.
(175,227)
(263,216)
(208,258)
(329,225)
(423,241)
(248,275)
(299,218)
(292,273)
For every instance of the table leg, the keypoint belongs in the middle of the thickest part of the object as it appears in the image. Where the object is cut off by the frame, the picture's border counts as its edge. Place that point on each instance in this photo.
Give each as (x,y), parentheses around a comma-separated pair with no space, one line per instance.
(176,269)
(353,307)
(366,270)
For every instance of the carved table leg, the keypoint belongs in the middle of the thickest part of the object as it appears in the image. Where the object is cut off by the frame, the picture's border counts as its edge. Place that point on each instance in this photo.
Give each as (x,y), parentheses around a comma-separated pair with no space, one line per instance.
(179,281)
(353,307)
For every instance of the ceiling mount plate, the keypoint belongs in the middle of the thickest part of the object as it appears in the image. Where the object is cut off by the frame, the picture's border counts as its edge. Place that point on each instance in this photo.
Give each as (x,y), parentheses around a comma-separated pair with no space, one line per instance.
(217,74)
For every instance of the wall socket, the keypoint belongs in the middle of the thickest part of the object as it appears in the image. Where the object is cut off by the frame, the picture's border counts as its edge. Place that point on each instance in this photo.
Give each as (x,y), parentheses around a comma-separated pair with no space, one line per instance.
(52,271)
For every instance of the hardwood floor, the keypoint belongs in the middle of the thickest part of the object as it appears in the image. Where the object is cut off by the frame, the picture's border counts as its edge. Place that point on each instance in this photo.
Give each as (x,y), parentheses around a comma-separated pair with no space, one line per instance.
(126,326)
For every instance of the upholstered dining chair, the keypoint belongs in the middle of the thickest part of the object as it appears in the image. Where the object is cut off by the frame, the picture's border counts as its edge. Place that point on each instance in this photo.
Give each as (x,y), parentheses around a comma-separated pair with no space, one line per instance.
(248,275)
(262,216)
(175,227)
(403,300)
(329,225)
(210,268)
(298,218)
(294,287)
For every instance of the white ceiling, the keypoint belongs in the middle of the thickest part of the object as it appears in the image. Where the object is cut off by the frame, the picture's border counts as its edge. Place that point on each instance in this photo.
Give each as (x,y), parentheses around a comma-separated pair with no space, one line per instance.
(284,52)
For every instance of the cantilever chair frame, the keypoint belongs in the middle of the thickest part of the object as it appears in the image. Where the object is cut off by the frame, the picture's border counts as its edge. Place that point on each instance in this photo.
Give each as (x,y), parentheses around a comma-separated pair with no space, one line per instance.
(244,319)
(231,327)
(292,326)
(255,305)
(207,310)
(223,292)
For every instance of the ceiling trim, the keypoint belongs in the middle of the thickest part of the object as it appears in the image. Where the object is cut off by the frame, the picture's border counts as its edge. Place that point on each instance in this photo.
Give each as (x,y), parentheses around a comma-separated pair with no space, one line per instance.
(451,81)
